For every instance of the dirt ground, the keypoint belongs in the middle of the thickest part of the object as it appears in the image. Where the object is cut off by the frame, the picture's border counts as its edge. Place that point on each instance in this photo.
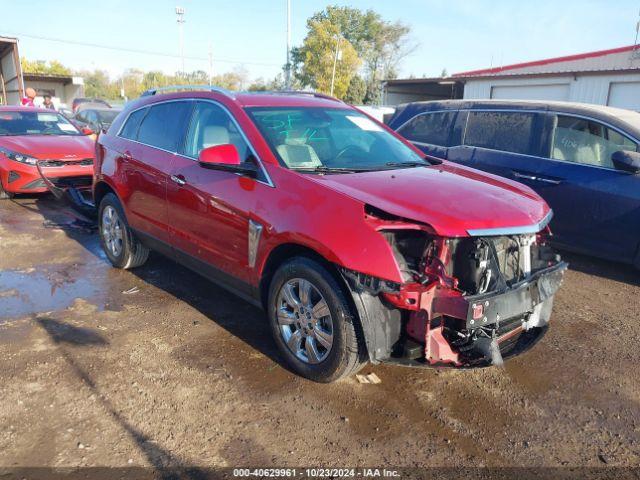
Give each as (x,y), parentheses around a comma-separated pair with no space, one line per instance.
(158,367)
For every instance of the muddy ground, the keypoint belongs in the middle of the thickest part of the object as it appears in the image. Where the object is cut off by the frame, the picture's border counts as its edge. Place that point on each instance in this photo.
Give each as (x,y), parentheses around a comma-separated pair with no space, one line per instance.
(158,367)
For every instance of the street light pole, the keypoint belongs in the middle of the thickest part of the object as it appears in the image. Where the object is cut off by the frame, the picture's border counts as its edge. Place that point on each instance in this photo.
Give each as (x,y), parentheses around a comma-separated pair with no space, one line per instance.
(335,62)
(288,66)
(210,64)
(180,19)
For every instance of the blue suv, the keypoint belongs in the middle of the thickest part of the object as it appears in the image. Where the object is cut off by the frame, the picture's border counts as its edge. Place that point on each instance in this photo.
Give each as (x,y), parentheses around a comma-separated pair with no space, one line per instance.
(582,159)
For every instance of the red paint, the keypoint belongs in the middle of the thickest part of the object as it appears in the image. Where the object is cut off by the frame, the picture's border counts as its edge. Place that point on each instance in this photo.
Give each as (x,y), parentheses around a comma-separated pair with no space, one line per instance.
(437,348)
(548,61)
(221,154)
(67,148)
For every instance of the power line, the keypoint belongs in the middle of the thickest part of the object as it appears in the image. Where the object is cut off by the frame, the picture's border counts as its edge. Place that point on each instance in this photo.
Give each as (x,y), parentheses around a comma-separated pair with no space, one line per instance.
(135,50)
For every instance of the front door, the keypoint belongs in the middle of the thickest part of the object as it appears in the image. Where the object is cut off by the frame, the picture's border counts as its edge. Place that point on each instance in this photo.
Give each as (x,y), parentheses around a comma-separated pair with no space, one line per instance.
(596,207)
(210,212)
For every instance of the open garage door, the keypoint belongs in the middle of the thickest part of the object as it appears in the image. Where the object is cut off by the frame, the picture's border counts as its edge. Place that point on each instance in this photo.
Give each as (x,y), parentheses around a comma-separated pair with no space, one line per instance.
(624,95)
(531,92)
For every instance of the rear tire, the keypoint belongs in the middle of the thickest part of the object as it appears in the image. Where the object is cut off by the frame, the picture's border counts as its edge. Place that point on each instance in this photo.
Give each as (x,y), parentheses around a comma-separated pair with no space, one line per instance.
(118,241)
(312,322)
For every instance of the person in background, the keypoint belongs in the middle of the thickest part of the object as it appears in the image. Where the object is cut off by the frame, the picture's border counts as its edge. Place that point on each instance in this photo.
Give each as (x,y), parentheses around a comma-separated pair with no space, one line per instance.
(48,103)
(30,96)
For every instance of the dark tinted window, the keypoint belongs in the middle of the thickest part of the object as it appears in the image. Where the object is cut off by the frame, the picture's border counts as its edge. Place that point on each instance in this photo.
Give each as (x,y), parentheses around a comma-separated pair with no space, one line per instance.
(505,131)
(130,129)
(164,125)
(431,128)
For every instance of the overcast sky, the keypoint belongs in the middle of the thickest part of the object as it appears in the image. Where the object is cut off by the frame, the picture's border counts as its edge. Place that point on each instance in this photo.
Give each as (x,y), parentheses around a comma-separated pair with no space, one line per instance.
(453,34)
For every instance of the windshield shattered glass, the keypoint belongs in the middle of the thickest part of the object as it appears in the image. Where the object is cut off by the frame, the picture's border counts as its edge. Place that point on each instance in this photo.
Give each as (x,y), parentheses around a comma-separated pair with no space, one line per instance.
(319,139)
(35,123)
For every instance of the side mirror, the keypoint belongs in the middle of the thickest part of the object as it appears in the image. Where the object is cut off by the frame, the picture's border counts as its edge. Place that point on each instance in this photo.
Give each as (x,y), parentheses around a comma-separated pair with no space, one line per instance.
(226,158)
(627,161)
(87,131)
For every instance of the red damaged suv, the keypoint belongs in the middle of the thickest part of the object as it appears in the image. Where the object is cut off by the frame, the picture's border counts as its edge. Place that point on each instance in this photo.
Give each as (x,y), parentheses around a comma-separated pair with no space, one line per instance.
(359,247)
(29,136)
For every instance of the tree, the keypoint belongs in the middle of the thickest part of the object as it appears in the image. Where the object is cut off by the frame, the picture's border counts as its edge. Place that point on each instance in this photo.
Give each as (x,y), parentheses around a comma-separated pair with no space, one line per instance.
(97,84)
(317,57)
(357,91)
(380,44)
(53,67)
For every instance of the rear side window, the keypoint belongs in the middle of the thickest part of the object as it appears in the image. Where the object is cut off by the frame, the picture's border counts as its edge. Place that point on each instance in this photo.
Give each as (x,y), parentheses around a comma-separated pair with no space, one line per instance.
(504,131)
(431,128)
(130,128)
(164,125)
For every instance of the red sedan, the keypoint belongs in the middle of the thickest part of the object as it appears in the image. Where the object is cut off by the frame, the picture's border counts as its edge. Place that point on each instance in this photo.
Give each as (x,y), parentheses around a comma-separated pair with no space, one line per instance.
(32,135)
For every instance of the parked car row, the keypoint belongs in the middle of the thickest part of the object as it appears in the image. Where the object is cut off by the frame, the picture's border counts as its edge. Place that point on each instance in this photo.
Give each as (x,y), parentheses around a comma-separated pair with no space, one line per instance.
(583,160)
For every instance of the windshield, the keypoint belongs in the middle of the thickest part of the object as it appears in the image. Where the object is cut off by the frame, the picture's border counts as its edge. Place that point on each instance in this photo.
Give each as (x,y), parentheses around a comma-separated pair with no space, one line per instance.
(323,139)
(35,123)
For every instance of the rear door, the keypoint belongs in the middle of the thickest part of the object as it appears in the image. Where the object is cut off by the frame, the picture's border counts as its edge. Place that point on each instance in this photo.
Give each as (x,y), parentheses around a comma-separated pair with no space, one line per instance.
(511,144)
(596,206)
(147,163)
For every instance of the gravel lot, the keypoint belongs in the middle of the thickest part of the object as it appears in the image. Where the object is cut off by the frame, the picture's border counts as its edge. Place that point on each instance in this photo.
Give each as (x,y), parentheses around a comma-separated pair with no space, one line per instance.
(158,367)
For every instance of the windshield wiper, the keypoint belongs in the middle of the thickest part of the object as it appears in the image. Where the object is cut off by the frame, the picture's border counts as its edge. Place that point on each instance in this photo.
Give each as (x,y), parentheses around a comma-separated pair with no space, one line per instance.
(407,164)
(325,169)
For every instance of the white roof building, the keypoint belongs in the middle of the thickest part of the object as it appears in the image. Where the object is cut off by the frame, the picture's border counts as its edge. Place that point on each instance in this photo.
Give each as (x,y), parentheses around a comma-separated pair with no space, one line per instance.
(605,77)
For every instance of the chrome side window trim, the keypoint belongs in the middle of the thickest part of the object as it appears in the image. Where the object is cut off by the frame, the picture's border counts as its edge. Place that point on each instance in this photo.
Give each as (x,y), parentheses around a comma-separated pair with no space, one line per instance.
(268,181)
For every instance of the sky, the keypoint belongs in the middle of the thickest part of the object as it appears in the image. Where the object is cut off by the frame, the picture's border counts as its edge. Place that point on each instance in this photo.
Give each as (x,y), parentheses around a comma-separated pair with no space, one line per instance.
(455,35)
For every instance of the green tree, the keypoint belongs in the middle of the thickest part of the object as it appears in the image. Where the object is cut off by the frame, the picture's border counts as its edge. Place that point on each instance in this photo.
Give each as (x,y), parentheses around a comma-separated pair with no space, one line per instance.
(357,91)
(317,57)
(380,44)
(52,67)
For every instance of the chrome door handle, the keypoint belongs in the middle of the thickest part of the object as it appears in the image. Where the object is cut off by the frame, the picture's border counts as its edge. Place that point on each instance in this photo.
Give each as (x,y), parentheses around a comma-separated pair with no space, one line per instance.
(179,179)
(536,179)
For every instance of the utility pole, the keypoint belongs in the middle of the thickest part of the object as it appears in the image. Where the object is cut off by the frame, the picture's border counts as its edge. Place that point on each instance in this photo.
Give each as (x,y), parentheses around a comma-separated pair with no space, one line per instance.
(288,66)
(180,19)
(335,62)
(210,64)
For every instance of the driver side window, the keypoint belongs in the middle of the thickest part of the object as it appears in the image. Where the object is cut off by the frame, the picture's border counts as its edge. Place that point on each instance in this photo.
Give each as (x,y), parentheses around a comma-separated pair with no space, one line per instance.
(587,142)
(210,126)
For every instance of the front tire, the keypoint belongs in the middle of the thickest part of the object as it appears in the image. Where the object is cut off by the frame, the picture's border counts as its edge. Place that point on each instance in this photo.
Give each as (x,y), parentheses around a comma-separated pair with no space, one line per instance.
(312,322)
(4,195)
(119,243)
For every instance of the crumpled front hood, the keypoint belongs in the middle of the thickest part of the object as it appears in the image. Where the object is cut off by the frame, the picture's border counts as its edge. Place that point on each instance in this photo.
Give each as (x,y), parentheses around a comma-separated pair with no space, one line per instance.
(43,147)
(451,199)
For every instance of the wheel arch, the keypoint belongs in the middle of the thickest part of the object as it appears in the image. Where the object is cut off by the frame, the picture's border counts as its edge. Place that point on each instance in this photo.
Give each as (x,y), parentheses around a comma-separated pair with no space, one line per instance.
(100,190)
(372,316)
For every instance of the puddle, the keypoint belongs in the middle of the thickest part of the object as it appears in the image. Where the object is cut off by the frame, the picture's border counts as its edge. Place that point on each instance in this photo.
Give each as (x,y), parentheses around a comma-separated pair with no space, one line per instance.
(23,293)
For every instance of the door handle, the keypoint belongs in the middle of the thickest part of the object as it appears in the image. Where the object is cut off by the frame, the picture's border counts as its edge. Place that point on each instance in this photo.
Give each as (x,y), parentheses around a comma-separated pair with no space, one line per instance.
(534,178)
(179,179)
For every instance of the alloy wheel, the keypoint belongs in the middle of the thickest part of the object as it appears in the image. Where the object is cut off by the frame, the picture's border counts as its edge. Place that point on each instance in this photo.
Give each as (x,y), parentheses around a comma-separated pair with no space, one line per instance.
(304,320)
(112,231)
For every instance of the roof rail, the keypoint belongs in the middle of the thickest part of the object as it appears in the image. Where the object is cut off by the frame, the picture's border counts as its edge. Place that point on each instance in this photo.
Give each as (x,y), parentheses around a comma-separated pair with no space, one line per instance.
(207,88)
(315,94)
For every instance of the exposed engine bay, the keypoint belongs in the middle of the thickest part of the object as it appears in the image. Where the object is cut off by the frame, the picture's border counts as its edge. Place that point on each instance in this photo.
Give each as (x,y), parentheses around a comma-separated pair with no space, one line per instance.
(465,302)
